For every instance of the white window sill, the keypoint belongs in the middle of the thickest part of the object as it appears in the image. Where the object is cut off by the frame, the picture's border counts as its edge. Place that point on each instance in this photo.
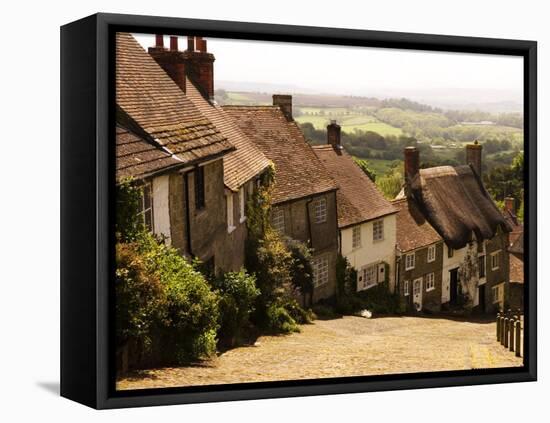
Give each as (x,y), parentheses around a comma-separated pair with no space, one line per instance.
(231,229)
(406,295)
(494,268)
(431,261)
(430,289)
(409,268)
(242,219)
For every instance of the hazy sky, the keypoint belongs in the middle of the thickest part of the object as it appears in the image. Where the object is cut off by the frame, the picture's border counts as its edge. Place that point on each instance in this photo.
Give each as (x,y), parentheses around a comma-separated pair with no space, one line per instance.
(441,77)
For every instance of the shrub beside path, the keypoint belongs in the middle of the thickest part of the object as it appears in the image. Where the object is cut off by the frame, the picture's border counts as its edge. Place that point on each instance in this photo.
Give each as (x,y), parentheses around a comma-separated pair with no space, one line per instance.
(348,346)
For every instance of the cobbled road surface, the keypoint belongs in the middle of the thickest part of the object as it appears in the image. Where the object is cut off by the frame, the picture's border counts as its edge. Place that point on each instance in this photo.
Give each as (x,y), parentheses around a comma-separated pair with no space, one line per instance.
(348,346)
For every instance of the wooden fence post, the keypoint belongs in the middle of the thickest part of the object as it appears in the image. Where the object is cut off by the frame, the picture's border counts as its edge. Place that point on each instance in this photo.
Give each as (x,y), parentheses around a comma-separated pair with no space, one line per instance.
(506,332)
(518,338)
(512,327)
(498,327)
(502,330)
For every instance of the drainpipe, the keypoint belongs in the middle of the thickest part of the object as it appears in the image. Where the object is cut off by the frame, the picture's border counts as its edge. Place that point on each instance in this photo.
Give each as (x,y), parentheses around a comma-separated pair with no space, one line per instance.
(309,222)
(187,213)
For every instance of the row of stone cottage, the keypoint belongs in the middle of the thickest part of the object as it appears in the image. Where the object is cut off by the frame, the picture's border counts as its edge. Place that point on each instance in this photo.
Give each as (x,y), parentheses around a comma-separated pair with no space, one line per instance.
(441,239)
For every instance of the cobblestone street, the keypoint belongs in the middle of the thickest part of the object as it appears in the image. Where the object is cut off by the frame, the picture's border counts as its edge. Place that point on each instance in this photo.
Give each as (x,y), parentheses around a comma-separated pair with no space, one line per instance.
(348,346)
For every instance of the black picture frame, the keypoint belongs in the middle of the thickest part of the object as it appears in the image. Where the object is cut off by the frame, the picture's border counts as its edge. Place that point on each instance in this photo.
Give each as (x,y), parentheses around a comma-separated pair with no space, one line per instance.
(87,172)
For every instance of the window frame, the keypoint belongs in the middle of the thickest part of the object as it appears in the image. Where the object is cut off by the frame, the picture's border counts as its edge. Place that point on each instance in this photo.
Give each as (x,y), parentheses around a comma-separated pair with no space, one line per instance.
(482,259)
(356,240)
(432,251)
(450,252)
(242,204)
(320,210)
(406,288)
(200,189)
(430,281)
(230,212)
(147,186)
(495,255)
(278,214)
(374,230)
(413,255)
(320,267)
(373,269)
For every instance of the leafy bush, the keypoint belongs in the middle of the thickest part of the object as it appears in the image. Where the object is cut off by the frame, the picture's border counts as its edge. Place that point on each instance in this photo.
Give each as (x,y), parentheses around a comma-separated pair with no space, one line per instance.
(238,294)
(139,294)
(129,225)
(301,271)
(189,316)
(298,314)
(279,320)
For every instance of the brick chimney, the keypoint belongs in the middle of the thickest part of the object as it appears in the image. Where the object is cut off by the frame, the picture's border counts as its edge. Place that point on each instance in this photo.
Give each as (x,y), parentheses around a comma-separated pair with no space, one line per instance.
(285,103)
(412,163)
(473,156)
(510,204)
(171,60)
(333,134)
(199,65)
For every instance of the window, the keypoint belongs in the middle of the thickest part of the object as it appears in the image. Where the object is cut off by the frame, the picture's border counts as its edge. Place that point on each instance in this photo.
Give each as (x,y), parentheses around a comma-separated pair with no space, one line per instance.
(406,288)
(199,188)
(378,230)
(147,205)
(370,275)
(431,253)
(498,293)
(409,261)
(320,209)
(495,260)
(320,271)
(278,220)
(450,252)
(481,266)
(229,204)
(417,286)
(356,237)
(430,282)
(242,204)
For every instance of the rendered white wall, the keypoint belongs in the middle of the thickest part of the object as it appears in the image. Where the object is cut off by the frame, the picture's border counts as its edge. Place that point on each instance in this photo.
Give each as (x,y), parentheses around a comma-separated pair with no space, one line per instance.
(371,251)
(161,207)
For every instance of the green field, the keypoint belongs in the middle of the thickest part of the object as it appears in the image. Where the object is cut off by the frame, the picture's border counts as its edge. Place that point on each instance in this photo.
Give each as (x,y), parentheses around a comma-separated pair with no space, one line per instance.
(349,122)
(380,166)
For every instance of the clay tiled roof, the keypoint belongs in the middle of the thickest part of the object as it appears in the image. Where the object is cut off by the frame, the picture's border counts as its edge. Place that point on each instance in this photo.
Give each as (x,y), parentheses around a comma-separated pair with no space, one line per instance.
(358,198)
(516,269)
(298,172)
(456,204)
(517,245)
(136,157)
(149,101)
(247,160)
(413,230)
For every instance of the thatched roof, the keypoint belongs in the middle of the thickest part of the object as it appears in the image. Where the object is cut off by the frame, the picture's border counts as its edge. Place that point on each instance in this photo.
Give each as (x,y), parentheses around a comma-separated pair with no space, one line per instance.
(457,205)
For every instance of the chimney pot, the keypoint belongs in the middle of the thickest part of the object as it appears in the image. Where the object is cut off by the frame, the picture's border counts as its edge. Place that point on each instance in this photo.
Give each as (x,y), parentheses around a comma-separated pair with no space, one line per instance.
(191,43)
(159,41)
(412,163)
(285,104)
(203,46)
(333,134)
(473,156)
(198,43)
(510,204)
(173,43)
